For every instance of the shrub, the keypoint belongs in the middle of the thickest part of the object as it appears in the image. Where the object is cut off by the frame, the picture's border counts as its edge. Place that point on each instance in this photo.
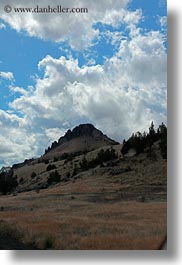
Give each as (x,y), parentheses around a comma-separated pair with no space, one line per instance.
(75,170)
(55,159)
(107,155)
(48,243)
(2,208)
(50,167)
(37,190)
(7,182)
(54,177)
(102,156)
(84,164)
(68,175)
(21,180)
(33,175)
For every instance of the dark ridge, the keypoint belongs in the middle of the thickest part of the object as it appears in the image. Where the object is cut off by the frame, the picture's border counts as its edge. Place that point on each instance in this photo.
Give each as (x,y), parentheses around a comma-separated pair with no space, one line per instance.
(26,162)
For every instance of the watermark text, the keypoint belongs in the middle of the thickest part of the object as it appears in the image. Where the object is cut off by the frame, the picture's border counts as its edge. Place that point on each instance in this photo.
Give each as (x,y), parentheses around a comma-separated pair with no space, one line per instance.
(45,10)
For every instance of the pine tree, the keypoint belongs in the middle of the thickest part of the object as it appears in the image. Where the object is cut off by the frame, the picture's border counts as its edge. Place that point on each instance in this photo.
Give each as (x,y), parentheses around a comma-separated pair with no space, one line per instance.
(7,182)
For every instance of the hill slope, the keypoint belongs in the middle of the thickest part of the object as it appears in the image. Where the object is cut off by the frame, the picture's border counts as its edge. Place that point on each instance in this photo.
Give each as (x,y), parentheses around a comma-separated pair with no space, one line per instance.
(90,199)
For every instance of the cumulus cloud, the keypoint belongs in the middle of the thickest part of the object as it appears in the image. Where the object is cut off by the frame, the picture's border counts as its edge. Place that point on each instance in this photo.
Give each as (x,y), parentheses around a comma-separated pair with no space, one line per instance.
(19,90)
(76,29)
(2,26)
(53,134)
(117,17)
(7,75)
(18,140)
(124,94)
(163,22)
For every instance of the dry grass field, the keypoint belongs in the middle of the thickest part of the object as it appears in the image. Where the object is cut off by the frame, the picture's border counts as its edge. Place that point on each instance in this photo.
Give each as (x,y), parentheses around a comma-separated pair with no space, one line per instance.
(89,213)
(116,204)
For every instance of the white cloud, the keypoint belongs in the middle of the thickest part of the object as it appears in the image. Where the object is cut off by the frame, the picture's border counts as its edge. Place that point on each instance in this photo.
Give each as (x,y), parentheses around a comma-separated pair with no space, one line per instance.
(116,17)
(53,134)
(19,90)
(18,141)
(123,95)
(91,61)
(7,75)
(2,26)
(163,21)
(77,29)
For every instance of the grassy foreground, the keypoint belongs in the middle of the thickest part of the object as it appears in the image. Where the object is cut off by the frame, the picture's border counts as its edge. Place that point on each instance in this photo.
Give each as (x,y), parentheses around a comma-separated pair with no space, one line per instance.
(83,215)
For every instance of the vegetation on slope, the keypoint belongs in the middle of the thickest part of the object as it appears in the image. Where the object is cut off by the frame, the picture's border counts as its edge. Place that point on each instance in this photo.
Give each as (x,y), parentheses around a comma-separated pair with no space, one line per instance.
(7,182)
(139,141)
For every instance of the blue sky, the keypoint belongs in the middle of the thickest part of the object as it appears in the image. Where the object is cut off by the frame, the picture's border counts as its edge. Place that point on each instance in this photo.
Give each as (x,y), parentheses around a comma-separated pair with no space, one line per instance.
(56,72)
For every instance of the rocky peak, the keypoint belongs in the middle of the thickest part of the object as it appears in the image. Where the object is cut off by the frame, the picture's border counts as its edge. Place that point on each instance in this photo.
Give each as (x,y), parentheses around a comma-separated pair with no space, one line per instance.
(82,130)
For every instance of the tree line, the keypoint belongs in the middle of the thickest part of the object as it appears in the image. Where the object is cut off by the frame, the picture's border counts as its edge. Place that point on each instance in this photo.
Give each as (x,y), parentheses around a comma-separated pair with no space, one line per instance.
(139,141)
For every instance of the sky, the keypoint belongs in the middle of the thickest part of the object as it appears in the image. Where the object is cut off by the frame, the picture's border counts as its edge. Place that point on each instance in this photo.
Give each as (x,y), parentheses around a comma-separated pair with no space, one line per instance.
(107,67)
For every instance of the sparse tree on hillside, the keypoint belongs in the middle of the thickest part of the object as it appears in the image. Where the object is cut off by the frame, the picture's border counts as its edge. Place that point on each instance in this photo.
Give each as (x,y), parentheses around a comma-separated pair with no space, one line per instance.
(140,141)
(162,131)
(50,167)
(33,175)
(152,136)
(7,182)
(54,177)
(84,164)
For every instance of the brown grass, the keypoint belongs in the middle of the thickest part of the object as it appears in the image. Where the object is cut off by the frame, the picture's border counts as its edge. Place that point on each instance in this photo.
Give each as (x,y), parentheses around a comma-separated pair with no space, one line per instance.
(63,217)
(97,209)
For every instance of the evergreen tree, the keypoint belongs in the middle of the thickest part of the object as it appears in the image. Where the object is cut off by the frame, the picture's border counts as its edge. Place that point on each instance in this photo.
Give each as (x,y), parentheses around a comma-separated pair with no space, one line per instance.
(84,164)
(7,182)
(139,141)
(151,135)
(163,140)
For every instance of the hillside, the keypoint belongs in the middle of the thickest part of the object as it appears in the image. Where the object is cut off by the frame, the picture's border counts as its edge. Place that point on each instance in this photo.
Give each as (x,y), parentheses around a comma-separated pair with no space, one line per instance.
(86,151)
(91,198)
